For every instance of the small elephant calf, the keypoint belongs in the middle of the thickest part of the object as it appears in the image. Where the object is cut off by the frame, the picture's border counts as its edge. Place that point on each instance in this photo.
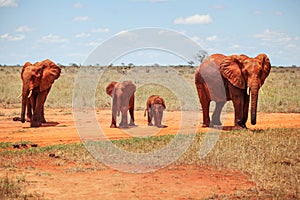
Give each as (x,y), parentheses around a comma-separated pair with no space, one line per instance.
(155,107)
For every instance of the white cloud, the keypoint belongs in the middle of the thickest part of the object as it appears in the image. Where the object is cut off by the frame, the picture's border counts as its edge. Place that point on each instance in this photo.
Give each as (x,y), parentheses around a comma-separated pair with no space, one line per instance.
(48,39)
(8,3)
(92,44)
(24,29)
(218,7)
(81,18)
(78,5)
(273,36)
(278,13)
(100,30)
(11,37)
(82,35)
(194,19)
(211,38)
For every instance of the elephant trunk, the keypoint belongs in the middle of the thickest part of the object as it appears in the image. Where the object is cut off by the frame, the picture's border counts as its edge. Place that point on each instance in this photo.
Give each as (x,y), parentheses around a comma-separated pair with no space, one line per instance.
(157,118)
(157,114)
(118,105)
(254,98)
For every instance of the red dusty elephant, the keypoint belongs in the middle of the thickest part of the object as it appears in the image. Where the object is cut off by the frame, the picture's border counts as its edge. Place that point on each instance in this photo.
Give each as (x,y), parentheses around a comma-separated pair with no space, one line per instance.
(222,78)
(155,107)
(37,81)
(122,94)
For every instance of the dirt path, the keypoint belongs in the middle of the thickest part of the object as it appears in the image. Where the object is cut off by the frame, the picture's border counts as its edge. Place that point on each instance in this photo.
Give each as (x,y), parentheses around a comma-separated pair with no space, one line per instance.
(60,127)
(47,177)
(180,182)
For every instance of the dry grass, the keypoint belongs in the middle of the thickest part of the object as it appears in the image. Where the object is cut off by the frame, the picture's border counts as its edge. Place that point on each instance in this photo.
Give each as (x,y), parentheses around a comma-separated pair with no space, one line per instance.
(271,158)
(279,94)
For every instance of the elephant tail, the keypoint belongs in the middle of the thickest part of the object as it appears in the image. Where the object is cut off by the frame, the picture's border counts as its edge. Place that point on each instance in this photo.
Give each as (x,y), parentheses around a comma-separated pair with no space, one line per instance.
(145,112)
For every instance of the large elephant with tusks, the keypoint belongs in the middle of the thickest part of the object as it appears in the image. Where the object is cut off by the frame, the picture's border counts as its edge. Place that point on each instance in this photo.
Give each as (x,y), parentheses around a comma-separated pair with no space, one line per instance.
(37,81)
(222,78)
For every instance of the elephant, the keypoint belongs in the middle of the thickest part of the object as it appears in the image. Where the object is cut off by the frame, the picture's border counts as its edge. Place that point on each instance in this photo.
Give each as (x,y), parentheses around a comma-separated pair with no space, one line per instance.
(155,106)
(37,81)
(122,94)
(222,78)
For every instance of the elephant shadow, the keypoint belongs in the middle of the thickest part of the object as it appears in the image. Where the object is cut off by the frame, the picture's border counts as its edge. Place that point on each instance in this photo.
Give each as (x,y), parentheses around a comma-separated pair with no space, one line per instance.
(50,124)
(47,124)
(226,128)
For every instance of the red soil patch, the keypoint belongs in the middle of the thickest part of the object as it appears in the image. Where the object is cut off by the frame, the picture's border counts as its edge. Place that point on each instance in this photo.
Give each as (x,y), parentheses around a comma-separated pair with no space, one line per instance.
(173,182)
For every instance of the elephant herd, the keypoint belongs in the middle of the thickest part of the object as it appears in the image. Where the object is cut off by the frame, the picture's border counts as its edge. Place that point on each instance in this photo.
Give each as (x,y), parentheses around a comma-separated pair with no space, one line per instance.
(122,94)
(219,78)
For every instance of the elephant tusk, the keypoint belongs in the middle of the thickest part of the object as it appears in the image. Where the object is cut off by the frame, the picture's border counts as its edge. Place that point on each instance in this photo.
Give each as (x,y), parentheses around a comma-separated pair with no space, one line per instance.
(19,95)
(262,91)
(30,93)
(248,90)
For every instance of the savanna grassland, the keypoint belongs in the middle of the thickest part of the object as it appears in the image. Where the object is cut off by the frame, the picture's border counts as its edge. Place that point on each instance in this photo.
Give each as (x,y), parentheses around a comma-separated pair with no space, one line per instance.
(279,93)
(267,158)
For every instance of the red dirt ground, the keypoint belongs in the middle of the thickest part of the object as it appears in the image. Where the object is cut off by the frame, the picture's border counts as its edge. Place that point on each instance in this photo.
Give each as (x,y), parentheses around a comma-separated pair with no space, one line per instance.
(172,182)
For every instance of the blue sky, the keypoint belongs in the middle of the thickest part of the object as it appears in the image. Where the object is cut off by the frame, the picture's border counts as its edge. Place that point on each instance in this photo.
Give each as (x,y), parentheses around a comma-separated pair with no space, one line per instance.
(68,31)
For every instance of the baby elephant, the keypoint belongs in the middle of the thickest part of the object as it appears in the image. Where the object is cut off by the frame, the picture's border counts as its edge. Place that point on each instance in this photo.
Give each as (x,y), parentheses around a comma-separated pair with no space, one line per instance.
(155,107)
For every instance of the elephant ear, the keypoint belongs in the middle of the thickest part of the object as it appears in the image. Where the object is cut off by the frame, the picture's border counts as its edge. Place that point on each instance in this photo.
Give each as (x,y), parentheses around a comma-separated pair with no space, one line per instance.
(110,88)
(27,64)
(230,69)
(266,66)
(50,72)
(163,103)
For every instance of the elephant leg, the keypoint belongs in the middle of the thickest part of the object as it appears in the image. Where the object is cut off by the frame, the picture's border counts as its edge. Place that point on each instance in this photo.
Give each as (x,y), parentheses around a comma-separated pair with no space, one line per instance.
(43,120)
(113,118)
(36,118)
(238,103)
(131,110)
(150,116)
(113,122)
(205,102)
(114,114)
(237,96)
(29,109)
(217,112)
(124,120)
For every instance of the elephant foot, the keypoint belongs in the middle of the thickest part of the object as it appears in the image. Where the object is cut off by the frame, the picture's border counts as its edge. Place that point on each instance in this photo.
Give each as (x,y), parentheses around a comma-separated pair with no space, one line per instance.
(150,124)
(35,124)
(132,124)
(216,123)
(123,126)
(113,126)
(242,125)
(43,121)
(205,125)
